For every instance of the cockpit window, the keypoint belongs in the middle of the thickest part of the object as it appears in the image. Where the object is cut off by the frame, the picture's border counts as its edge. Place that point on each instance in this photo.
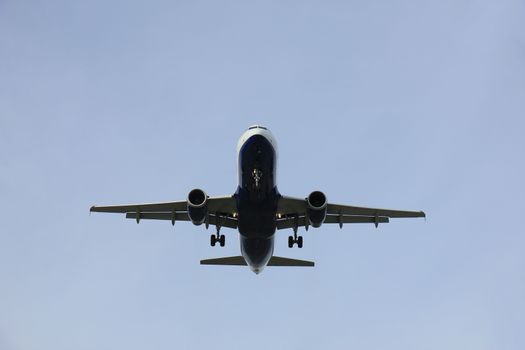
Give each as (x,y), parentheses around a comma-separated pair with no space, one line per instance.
(257,127)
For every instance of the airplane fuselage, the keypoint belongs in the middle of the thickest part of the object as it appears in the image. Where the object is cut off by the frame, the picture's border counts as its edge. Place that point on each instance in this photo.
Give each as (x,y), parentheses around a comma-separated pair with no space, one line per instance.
(257,196)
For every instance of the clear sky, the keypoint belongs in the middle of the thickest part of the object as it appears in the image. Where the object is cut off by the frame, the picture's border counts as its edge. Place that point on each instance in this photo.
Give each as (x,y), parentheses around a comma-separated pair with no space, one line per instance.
(397,104)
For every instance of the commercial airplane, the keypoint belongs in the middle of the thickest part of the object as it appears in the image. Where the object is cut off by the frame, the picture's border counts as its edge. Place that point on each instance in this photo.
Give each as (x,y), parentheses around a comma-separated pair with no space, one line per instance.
(257,209)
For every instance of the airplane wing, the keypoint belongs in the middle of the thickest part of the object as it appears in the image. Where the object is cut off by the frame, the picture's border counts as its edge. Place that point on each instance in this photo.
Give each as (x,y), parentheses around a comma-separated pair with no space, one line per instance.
(220,211)
(293,213)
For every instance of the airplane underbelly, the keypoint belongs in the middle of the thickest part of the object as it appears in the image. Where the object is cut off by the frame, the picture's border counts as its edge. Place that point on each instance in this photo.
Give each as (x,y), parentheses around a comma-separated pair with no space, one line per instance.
(257,251)
(252,226)
(257,218)
(257,194)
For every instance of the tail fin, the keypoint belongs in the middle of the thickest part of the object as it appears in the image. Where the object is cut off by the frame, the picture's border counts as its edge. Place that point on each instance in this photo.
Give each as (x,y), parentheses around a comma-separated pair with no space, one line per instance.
(274,261)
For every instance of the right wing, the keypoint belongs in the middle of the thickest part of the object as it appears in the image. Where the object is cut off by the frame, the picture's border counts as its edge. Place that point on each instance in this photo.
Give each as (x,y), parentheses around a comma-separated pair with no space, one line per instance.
(293,214)
(220,211)
(352,210)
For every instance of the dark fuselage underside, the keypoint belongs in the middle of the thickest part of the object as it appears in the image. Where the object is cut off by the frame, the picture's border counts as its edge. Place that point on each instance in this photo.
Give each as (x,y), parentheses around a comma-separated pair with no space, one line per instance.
(257,198)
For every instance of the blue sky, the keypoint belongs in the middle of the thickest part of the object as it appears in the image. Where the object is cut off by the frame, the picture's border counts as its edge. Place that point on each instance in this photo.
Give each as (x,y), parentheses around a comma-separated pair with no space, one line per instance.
(396,104)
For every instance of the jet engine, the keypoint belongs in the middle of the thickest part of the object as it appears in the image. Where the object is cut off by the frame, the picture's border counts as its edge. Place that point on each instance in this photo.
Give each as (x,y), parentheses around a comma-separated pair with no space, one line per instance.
(316,208)
(197,206)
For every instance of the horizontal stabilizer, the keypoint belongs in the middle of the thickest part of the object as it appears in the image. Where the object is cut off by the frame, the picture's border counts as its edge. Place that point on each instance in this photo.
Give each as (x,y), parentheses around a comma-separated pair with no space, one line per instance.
(278,261)
(229,260)
(239,261)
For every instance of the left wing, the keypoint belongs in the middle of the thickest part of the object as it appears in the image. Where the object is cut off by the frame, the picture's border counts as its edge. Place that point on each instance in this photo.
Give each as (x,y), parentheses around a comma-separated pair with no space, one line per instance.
(220,211)
(293,212)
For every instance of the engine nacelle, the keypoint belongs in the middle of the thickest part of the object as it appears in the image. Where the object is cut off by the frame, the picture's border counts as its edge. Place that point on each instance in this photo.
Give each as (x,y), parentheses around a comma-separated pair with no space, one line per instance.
(197,206)
(316,208)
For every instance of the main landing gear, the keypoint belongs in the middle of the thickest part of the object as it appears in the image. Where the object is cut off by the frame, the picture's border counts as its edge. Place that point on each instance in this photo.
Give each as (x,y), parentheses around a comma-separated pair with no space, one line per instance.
(217,238)
(295,239)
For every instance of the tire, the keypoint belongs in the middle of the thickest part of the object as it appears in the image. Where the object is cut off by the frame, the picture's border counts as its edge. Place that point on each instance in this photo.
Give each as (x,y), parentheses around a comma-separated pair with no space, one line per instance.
(290,242)
(222,240)
(213,240)
(300,241)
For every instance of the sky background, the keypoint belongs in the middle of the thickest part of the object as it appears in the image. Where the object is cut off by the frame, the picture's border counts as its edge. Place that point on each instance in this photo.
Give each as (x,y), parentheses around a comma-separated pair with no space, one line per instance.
(396,104)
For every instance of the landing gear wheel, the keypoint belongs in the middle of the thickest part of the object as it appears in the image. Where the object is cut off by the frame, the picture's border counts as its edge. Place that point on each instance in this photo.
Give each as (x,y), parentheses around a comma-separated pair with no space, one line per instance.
(222,240)
(290,241)
(300,241)
(213,240)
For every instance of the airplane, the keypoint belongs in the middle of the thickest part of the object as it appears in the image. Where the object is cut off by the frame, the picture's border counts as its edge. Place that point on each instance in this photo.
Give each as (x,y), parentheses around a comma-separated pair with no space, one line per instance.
(257,209)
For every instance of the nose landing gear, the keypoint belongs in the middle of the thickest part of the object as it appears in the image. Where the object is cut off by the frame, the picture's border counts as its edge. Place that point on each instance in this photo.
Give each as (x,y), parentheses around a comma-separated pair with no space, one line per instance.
(257,175)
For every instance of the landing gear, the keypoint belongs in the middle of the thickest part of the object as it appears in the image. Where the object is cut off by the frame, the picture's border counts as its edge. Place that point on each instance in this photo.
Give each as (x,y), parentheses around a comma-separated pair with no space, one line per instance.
(257,175)
(217,238)
(295,239)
